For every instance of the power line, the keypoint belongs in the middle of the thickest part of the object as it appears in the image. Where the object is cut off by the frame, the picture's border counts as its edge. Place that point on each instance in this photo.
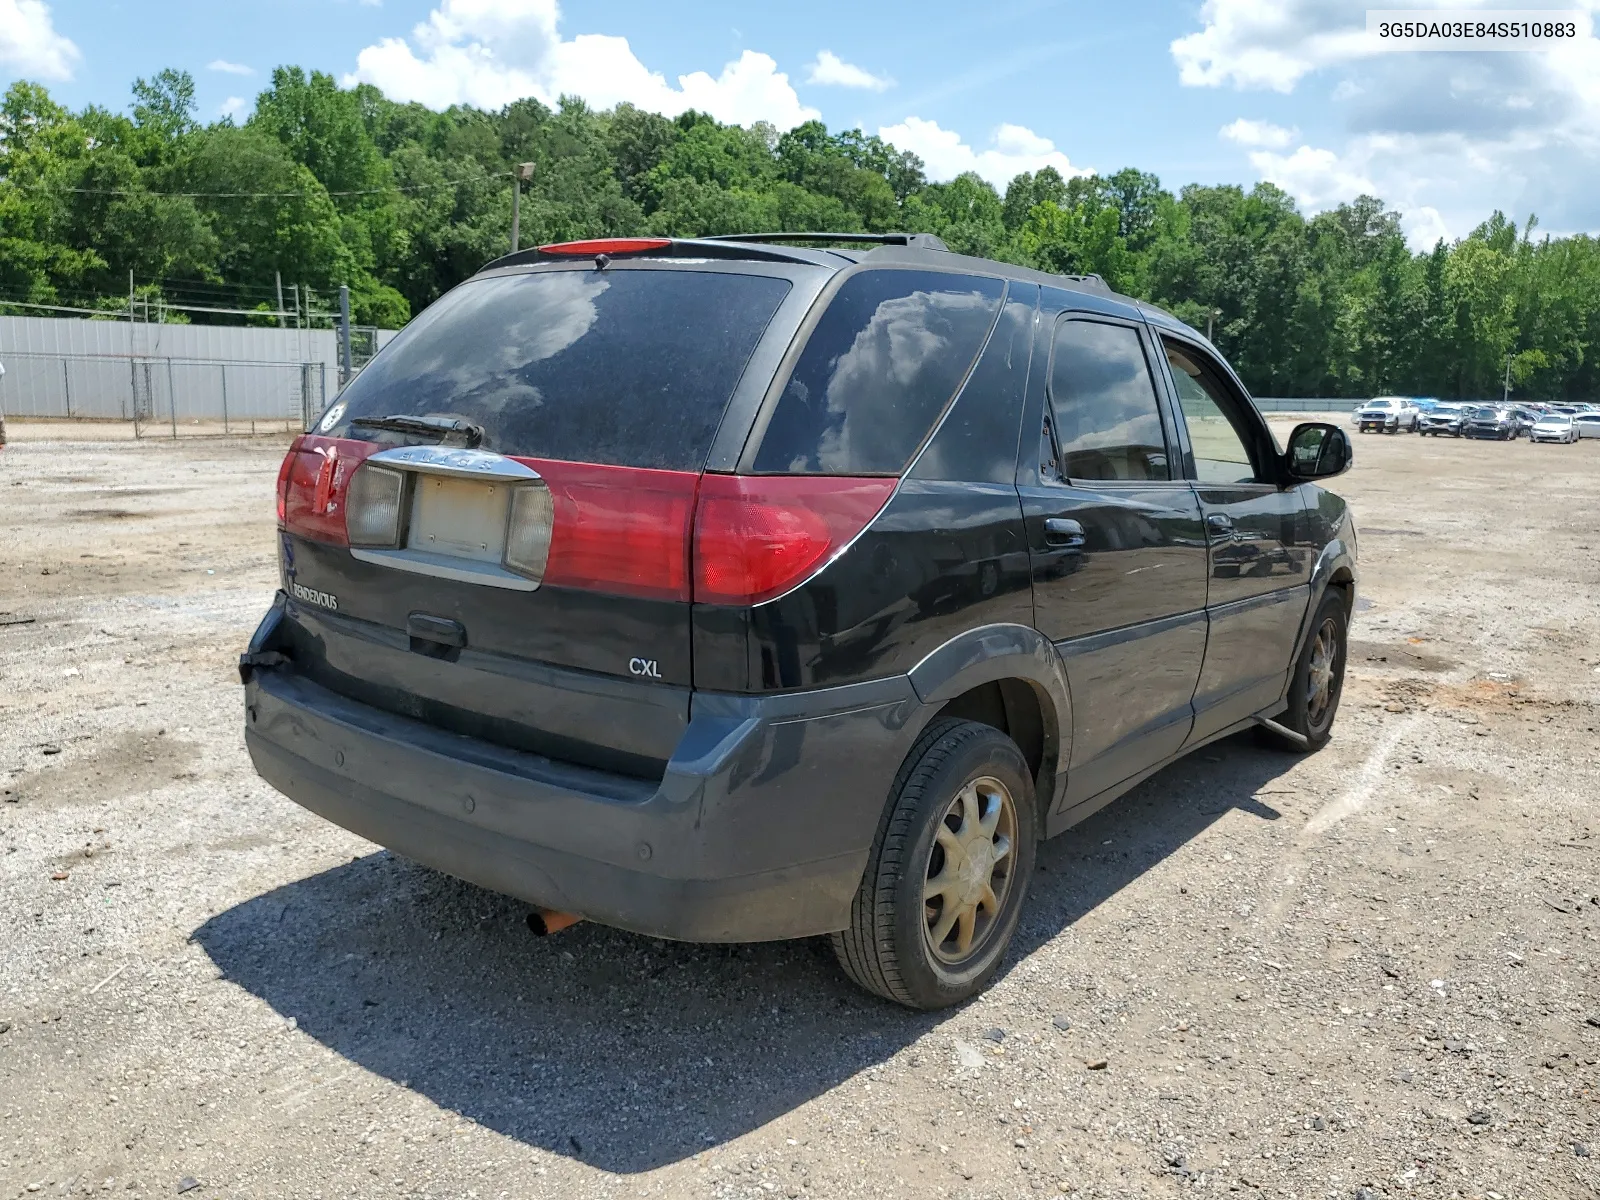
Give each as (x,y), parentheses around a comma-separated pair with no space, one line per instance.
(165,293)
(418,187)
(118,313)
(122,313)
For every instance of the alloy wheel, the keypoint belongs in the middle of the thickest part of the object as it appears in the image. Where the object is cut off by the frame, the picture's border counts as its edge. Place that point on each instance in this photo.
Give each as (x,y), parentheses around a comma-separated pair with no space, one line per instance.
(969,871)
(1321,677)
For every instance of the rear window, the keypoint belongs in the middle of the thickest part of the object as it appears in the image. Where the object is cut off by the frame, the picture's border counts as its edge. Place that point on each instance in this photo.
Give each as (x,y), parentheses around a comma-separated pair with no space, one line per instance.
(876,373)
(622,367)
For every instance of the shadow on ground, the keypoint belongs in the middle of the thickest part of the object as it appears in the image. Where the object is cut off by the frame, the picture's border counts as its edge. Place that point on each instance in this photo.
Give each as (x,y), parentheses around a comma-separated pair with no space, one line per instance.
(625,1051)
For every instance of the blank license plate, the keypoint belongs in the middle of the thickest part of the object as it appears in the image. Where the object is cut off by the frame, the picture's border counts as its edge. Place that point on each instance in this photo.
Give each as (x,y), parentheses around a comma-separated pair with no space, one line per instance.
(459,517)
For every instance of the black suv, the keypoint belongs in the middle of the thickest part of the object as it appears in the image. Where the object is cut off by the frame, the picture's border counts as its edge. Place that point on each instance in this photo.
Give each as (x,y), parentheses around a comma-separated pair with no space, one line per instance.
(724,590)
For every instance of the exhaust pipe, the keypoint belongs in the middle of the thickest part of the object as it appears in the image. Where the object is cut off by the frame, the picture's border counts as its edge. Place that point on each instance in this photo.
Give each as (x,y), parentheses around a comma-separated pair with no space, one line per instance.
(545,921)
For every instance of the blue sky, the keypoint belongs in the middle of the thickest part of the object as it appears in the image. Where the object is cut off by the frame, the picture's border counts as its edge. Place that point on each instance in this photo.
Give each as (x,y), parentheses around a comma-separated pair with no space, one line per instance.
(1212,91)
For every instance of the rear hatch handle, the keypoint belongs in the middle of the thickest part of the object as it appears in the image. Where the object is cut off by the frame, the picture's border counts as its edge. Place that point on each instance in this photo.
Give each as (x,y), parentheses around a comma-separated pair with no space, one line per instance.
(437,637)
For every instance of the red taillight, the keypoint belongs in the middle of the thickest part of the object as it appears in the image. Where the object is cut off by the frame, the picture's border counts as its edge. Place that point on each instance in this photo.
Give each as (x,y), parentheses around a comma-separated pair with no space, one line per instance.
(312,484)
(595,246)
(283,478)
(623,530)
(757,536)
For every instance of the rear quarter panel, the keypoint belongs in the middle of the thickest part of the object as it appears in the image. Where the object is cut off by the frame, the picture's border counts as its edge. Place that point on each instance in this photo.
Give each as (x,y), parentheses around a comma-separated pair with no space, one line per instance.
(946,555)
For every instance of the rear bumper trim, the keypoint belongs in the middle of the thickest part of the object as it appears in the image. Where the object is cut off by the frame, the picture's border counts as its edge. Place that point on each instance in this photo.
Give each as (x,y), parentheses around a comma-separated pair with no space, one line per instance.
(789,902)
(759,829)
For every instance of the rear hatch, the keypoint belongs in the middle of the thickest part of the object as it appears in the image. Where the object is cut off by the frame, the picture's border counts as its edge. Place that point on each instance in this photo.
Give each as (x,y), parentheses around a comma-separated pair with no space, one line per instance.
(490,528)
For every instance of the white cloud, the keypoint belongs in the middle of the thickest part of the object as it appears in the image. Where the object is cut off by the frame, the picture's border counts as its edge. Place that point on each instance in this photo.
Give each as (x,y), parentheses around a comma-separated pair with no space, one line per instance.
(1444,183)
(1444,138)
(1013,149)
(830,69)
(491,52)
(30,45)
(229,68)
(1316,178)
(233,106)
(1424,227)
(1246,132)
(1269,43)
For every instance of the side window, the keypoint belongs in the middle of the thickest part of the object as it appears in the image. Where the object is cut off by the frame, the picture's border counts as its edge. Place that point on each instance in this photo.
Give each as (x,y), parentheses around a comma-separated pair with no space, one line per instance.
(1106,418)
(878,370)
(1221,451)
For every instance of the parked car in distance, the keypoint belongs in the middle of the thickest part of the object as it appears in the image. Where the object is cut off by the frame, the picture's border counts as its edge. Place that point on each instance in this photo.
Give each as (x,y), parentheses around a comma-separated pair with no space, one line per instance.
(725,590)
(1587,424)
(1444,419)
(1523,416)
(1553,427)
(1490,421)
(1387,414)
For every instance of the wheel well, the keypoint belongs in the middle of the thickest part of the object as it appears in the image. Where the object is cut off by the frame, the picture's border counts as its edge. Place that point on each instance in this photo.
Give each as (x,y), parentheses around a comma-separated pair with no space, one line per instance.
(1014,707)
(1345,583)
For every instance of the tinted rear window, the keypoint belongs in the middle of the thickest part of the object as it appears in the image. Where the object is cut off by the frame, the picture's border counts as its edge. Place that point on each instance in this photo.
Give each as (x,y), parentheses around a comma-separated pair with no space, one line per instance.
(624,367)
(880,367)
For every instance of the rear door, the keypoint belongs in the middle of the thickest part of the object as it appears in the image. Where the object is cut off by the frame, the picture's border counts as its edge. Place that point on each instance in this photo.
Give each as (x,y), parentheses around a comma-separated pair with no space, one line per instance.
(581,399)
(1119,559)
(1257,540)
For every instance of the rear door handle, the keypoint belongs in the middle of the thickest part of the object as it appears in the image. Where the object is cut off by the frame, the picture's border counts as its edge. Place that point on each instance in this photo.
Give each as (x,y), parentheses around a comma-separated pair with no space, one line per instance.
(1218,525)
(1063,531)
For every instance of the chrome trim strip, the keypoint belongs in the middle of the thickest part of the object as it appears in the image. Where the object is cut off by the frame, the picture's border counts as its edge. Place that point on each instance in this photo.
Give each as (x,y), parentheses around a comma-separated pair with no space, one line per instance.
(453,460)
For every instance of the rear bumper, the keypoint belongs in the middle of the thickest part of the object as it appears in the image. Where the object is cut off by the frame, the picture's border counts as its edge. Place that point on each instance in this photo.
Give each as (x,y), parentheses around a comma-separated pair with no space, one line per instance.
(759,830)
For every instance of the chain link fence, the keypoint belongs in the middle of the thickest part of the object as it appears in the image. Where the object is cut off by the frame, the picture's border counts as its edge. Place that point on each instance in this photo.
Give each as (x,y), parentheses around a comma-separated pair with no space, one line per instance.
(166,396)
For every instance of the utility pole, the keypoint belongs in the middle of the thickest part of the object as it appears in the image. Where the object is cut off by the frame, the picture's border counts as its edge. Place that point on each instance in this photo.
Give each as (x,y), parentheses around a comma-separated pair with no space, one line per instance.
(278,275)
(522,174)
(344,335)
(1211,322)
(1506,396)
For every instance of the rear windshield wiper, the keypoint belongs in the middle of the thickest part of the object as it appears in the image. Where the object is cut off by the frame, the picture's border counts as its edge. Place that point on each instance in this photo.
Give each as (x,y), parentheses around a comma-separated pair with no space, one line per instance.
(442,428)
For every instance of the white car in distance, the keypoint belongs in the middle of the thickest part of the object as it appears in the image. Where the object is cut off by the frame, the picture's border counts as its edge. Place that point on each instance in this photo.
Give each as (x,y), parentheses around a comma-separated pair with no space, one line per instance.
(1553,427)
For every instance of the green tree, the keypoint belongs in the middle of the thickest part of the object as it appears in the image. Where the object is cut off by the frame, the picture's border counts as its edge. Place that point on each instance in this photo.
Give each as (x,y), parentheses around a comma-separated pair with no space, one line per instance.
(966,212)
(328,186)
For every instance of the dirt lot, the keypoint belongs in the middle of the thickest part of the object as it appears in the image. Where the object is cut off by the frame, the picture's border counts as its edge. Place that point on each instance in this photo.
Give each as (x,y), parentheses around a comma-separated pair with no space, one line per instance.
(1370,972)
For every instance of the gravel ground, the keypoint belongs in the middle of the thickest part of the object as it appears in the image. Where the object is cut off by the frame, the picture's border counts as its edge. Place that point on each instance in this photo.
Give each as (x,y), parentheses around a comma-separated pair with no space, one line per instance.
(1367,972)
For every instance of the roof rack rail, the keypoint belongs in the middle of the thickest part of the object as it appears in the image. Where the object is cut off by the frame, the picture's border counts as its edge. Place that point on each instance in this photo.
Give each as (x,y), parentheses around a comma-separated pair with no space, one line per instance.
(918,241)
(1093,282)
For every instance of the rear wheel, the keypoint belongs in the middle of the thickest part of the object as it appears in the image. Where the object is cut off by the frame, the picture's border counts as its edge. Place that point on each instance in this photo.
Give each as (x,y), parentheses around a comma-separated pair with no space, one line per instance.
(945,882)
(1318,679)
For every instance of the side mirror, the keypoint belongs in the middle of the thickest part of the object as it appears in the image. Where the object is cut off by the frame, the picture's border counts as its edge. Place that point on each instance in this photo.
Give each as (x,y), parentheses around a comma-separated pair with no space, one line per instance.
(1318,451)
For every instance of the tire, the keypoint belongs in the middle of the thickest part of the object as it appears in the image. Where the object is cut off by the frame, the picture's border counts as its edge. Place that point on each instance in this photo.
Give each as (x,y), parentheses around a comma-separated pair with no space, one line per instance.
(888,947)
(1315,722)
